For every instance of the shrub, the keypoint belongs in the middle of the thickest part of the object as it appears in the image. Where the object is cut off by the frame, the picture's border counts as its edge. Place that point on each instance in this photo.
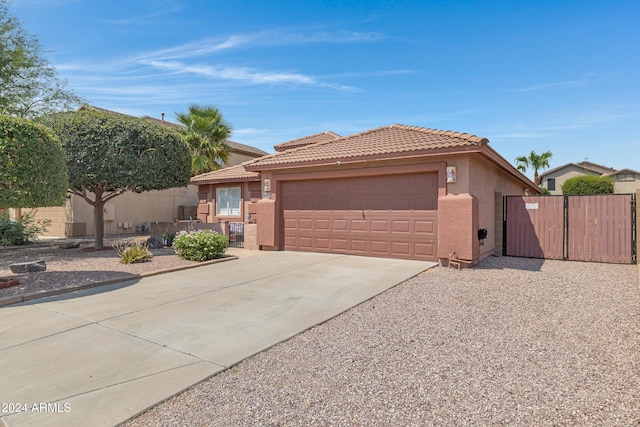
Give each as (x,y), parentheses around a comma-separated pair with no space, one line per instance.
(201,245)
(24,230)
(588,184)
(133,253)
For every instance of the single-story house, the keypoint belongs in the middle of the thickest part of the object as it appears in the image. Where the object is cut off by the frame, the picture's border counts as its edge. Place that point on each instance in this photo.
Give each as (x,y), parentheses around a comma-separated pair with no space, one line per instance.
(131,212)
(625,181)
(395,191)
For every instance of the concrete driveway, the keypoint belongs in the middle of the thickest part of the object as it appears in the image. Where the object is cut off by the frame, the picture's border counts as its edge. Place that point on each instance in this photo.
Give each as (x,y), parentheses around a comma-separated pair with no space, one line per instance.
(101,356)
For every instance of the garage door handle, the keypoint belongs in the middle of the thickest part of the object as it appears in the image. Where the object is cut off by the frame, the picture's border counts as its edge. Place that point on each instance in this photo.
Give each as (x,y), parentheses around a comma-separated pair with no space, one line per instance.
(363,214)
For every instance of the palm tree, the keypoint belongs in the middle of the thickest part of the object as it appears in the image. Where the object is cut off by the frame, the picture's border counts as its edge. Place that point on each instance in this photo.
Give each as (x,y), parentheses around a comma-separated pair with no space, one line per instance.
(535,162)
(206,132)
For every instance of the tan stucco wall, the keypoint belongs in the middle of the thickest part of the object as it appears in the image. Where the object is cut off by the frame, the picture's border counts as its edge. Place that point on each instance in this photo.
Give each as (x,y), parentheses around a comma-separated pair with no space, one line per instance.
(562,175)
(135,209)
(238,158)
(626,186)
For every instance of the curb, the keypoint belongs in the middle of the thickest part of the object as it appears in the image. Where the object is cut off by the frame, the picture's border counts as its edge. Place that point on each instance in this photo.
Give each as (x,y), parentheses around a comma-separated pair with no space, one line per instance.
(30,297)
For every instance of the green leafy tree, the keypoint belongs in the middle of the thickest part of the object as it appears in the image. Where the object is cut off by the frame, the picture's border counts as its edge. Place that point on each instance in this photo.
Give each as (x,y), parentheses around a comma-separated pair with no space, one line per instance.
(29,84)
(535,162)
(205,132)
(33,167)
(588,184)
(110,153)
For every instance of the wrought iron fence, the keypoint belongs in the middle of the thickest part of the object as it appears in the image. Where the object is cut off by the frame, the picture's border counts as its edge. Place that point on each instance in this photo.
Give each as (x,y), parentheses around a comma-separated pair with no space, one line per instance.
(236,234)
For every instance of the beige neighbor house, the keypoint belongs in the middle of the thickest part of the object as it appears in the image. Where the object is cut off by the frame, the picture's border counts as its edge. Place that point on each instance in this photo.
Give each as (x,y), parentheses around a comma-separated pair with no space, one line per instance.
(132,213)
(625,181)
(396,191)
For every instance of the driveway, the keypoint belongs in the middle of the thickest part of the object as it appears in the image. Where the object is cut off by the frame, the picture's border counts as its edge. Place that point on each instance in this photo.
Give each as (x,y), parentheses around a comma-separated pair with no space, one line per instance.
(101,356)
(512,342)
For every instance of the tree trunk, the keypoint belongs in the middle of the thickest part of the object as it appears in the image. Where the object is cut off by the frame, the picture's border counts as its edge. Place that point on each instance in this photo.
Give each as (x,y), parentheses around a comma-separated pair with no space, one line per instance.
(98,220)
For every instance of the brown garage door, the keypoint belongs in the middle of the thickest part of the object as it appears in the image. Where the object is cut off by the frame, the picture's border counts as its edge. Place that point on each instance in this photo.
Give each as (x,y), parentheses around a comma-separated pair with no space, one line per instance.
(391,216)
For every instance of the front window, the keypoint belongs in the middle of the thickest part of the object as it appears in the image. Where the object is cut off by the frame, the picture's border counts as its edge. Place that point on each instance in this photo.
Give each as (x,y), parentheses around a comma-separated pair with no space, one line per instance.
(551,184)
(228,201)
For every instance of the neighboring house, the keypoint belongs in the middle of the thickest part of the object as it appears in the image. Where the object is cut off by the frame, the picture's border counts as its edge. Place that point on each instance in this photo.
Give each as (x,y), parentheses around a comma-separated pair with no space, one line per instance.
(130,212)
(625,180)
(395,191)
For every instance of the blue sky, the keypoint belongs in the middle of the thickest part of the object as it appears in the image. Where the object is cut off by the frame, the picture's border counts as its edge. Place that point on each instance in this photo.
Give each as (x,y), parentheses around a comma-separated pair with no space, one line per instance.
(528,75)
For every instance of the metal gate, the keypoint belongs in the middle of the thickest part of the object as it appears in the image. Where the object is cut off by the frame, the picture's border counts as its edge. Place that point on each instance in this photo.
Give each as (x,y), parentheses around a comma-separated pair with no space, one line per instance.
(598,228)
(236,234)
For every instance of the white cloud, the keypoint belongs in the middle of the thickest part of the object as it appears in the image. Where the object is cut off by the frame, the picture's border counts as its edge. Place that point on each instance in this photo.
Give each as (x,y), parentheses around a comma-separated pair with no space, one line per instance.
(569,84)
(243,74)
(252,40)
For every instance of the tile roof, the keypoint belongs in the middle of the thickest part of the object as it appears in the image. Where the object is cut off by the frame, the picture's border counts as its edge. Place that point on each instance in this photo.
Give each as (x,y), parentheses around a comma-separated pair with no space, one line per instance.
(624,171)
(236,147)
(385,141)
(307,140)
(596,167)
(586,166)
(230,174)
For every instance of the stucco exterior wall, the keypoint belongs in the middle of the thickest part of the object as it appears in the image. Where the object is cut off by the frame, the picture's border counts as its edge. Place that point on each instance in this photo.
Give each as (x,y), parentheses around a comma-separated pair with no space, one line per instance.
(562,175)
(130,210)
(627,185)
(484,180)
(479,183)
(249,195)
(239,158)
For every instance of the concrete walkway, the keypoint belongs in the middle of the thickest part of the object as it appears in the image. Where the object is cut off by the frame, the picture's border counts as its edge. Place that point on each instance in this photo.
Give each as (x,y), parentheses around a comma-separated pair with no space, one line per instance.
(100,356)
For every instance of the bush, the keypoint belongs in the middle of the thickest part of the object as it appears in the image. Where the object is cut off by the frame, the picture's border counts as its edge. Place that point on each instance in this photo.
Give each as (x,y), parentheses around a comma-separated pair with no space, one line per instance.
(201,245)
(588,184)
(24,230)
(132,253)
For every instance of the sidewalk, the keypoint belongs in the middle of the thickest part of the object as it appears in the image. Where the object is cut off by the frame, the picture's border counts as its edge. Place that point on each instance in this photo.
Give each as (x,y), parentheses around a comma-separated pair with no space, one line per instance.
(100,356)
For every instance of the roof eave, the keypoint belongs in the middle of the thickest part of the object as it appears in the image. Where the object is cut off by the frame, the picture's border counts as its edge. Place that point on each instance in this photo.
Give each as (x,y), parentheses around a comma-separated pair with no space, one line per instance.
(223,180)
(507,167)
(360,159)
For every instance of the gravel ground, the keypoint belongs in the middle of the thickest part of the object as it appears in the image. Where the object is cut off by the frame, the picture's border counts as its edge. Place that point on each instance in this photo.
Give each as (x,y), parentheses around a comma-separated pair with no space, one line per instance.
(70,268)
(512,342)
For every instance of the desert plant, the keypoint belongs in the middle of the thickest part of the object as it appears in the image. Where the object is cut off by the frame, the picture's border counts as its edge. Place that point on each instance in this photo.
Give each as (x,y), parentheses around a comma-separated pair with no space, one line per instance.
(201,245)
(22,231)
(133,252)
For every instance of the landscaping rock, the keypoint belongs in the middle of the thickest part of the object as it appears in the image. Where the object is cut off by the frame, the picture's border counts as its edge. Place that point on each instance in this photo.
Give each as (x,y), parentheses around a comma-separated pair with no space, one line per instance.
(69,245)
(7,282)
(28,267)
(153,243)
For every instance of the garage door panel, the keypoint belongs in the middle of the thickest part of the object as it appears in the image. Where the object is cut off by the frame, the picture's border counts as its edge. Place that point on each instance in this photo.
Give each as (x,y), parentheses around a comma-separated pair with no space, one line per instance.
(377,225)
(305,242)
(386,216)
(427,227)
(340,224)
(402,248)
(425,249)
(358,225)
(401,226)
(379,247)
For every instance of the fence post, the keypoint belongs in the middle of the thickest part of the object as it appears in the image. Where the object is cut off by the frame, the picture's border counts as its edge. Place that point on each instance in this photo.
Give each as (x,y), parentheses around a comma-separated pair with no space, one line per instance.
(499,224)
(634,226)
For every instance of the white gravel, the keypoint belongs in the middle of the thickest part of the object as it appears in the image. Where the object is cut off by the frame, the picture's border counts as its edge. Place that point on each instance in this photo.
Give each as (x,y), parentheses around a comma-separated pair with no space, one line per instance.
(512,342)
